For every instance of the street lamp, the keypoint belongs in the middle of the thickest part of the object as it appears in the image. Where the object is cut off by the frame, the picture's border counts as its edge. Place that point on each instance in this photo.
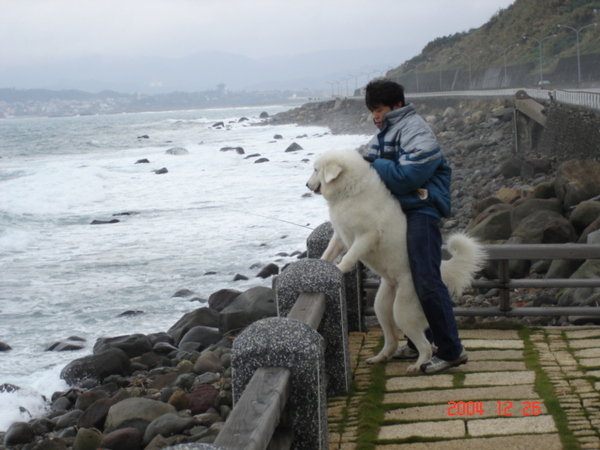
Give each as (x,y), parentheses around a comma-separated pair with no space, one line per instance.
(539,41)
(416,66)
(577,34)
(331,83)
(505,49)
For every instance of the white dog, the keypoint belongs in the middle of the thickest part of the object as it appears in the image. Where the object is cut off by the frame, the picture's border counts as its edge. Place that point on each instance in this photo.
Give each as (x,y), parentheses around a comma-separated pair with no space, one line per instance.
(369,223)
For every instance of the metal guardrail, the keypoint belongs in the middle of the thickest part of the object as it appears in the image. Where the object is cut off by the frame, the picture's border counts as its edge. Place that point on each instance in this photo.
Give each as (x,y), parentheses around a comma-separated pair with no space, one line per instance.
(504,253)
(589,100)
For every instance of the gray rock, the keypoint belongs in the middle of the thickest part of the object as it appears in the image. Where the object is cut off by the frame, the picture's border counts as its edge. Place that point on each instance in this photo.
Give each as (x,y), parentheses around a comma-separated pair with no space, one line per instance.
(222,298)
(18,433)
(202,316)
(97,366)
(87,439)
(135,409)
(123,439)
(132,344)
(252,305)
(167,425)
(177,151)
(203,335)
(208,362)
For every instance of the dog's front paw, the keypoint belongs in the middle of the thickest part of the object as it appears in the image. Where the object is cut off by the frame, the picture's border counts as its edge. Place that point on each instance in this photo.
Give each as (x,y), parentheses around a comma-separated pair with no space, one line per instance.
(413,368)
(377,359)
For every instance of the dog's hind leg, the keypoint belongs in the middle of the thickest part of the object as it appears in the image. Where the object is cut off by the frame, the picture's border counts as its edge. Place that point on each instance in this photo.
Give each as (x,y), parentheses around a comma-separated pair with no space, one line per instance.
(334,248)
(411,319)
(384,309)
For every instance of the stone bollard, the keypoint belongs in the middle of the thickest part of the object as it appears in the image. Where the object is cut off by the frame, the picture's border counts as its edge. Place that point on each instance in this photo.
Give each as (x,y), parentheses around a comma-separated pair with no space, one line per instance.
(319,276)
(316,244)
(283,342)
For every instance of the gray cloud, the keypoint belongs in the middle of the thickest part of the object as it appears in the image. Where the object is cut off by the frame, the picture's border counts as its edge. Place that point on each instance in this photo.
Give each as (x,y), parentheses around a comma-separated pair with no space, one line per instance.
(51,30)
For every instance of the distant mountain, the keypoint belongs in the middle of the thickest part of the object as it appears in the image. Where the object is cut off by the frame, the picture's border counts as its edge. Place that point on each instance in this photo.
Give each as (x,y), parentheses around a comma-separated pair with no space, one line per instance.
(204,71)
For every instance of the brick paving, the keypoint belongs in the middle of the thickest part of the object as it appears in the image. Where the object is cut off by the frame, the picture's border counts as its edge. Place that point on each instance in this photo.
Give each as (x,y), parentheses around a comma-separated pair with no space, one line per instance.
(496,404)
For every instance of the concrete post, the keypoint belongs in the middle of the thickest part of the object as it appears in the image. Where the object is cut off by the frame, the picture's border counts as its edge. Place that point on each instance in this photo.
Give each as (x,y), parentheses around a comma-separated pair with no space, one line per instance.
(318,276)
(283,342)
(316,244)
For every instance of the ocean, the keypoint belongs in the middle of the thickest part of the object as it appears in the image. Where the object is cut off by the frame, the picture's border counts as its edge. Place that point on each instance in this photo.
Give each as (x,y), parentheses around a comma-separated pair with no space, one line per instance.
(213,215)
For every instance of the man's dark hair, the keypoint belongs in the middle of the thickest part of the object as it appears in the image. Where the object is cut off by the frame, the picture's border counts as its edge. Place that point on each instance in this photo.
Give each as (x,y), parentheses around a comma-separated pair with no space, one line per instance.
(384,92)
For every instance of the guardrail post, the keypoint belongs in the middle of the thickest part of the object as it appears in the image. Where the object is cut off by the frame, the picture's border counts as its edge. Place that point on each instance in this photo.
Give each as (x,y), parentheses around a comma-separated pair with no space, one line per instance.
(284,342)
(319,276)
(316,244)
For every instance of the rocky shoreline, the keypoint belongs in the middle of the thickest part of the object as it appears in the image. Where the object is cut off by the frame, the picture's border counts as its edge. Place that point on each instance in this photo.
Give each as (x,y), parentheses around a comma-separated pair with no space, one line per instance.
(151,391)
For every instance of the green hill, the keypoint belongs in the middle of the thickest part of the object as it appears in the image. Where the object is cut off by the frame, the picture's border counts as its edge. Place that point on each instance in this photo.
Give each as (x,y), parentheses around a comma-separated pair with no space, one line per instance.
(476,58)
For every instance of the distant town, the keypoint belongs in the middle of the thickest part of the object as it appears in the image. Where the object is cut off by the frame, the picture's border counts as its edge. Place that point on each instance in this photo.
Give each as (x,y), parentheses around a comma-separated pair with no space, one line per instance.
(46,103)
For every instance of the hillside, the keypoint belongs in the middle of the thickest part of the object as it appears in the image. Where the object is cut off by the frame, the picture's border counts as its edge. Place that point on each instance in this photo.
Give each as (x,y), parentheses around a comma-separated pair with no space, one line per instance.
(463,60)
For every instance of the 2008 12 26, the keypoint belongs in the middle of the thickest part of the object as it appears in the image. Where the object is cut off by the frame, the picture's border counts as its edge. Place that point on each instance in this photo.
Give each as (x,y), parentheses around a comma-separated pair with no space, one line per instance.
(530,408)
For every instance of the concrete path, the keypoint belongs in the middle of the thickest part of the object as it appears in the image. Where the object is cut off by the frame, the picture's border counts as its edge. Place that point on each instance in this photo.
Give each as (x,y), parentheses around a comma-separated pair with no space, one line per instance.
(492,402)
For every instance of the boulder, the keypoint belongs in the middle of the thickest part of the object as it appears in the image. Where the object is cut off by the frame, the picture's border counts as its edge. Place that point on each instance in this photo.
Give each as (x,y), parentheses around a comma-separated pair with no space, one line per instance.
(88,398)
(87,439)
(18,433)
(202,316)
(208,362)
(544,190)
(254,304)
(268,270)
(577,181)
(202,398)
(4,347)
(544,226)
(585,214)
(133,409)
(293,147)
(592,229)
(71,343)
(511,167)
(261,160)
(123,439)
(202,335)
(528,206)
(532,167)
(161,171)
(177,151)
(97,366)
(508,195)
(583,296)
(480,206)
(222,298)
(103,222)
(142,161)
(495,227)
(167,425)
(132,344)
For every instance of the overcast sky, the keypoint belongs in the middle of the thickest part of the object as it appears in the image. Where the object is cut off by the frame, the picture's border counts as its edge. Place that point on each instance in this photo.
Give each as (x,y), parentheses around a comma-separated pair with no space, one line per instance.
(35,30)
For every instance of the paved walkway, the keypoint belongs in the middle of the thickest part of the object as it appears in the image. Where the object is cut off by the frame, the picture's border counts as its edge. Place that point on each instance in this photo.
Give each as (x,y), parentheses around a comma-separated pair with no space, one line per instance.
(497,403)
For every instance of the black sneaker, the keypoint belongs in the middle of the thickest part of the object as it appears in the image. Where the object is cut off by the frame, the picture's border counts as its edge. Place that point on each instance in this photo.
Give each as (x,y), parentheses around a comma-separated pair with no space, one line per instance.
(437,365)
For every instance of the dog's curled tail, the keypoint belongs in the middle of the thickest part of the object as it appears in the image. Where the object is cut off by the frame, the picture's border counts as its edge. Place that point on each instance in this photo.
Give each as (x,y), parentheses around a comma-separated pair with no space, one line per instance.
(468,257)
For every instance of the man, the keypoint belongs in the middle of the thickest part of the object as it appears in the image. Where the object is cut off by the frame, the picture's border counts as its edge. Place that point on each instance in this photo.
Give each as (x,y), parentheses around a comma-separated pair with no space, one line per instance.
(406,155)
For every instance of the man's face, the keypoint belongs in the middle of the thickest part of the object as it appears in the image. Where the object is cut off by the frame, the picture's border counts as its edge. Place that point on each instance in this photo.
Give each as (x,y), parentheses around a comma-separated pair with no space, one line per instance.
(379,112)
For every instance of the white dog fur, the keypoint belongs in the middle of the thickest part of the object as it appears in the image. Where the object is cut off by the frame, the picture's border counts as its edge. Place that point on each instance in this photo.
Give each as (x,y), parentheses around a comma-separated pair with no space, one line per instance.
(369,223)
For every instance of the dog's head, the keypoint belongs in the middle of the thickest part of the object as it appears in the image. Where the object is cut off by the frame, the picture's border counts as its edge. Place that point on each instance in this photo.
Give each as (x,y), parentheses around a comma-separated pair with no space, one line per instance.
(330,169)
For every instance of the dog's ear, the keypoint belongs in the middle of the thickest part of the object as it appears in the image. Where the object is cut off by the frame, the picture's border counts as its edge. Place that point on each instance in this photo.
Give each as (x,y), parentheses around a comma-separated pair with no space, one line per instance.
(331,171)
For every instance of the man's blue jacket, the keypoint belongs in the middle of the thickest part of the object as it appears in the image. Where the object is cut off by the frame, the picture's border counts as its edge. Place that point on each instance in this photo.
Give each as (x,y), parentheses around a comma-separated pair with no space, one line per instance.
(408,158)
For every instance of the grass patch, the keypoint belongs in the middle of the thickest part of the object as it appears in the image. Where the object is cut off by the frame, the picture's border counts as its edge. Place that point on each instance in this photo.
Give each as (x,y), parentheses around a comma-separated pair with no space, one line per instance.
(458,379)
(545,389)
(371,409)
